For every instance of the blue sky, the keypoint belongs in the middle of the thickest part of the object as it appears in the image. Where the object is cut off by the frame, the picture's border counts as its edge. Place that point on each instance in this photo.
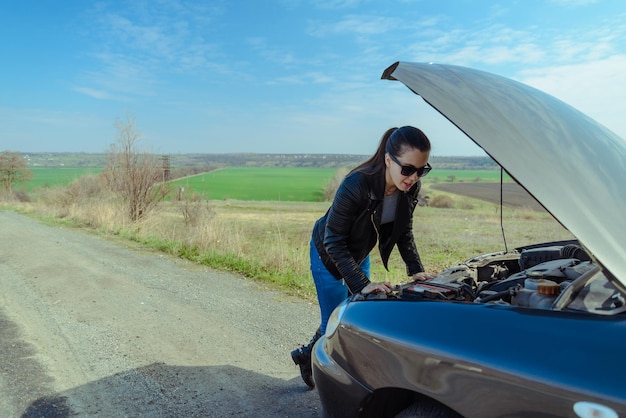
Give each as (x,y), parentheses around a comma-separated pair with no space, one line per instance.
(285,76)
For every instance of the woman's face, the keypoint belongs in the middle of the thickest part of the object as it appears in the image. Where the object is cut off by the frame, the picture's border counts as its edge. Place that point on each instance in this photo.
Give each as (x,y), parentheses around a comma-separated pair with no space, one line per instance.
(411,157)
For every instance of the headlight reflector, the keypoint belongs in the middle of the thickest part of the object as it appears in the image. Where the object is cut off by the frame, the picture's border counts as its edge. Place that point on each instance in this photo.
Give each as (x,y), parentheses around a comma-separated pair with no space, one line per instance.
(335,318)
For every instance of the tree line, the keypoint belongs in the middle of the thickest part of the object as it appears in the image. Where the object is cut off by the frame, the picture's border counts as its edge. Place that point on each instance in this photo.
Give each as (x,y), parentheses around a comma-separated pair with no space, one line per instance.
(199,162)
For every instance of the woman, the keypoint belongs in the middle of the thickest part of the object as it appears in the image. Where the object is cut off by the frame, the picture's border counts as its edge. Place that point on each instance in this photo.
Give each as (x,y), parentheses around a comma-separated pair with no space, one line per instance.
(374,203)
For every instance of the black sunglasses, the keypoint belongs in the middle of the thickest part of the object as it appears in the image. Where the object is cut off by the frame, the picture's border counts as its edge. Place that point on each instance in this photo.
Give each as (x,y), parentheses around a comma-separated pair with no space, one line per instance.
(408,170)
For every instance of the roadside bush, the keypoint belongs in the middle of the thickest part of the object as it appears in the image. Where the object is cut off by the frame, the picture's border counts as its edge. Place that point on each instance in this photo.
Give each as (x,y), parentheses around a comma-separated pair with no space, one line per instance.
(85,187)
(21,196)
(75,193)
(13,196)
(441,202)
(54,201)
(194,209)
(333,184)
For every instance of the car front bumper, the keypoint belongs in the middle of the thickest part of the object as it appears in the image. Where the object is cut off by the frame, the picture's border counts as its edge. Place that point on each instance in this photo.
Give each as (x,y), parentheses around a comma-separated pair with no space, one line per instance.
(341,395)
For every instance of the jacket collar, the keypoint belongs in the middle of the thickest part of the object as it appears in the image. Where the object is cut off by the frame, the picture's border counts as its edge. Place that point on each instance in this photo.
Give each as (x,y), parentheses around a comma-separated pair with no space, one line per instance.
(377,187)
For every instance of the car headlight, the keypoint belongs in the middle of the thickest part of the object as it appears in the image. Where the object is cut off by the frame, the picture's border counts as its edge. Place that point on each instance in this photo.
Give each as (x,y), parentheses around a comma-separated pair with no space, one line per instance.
(335,317)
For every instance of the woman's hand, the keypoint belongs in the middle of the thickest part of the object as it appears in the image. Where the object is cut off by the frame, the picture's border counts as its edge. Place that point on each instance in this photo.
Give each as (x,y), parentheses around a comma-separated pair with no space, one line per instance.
(384,287)
(420,277)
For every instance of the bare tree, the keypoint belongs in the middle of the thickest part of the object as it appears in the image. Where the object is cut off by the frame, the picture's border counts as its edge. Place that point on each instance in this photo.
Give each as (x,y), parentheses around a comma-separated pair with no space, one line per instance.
(13,169)
(136,176)
(334,183)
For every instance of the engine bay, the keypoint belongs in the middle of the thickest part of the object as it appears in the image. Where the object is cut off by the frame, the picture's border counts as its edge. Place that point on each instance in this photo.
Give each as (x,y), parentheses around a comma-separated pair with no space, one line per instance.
(556,276)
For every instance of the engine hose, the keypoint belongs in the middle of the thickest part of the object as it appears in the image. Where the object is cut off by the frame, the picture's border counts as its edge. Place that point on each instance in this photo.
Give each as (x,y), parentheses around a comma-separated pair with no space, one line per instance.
(508,292)
(574,251)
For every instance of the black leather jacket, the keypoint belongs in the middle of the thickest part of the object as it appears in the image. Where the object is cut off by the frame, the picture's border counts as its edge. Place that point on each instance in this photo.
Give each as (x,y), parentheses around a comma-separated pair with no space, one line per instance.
(349,230)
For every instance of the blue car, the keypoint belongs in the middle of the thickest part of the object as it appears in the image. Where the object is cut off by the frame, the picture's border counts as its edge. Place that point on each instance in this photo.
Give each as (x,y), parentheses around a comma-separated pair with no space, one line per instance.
(533,331)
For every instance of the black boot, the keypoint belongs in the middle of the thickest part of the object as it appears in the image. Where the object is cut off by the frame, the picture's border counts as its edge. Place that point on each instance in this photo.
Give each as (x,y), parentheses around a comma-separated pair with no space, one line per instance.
(302,357)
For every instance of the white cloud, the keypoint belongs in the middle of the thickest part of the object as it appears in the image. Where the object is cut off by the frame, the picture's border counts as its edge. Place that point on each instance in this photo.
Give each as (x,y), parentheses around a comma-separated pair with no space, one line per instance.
(353,24)
(91,92)
(271,54)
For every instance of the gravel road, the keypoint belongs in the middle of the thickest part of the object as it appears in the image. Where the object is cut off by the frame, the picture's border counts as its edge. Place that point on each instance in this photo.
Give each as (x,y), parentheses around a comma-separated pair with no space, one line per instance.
(93,327)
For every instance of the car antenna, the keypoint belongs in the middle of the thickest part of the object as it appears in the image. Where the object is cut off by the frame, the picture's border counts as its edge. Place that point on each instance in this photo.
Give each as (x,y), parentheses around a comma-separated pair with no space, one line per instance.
(506,248)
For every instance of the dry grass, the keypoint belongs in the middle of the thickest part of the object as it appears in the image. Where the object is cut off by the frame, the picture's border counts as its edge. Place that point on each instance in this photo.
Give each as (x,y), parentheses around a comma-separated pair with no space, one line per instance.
(268,241)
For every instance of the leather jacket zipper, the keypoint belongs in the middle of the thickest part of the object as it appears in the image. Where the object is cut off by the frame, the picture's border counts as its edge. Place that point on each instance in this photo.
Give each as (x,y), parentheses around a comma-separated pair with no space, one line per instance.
(374,225)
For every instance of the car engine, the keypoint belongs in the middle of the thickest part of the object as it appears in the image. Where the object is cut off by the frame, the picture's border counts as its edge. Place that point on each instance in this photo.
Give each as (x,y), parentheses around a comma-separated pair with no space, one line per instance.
(532,276)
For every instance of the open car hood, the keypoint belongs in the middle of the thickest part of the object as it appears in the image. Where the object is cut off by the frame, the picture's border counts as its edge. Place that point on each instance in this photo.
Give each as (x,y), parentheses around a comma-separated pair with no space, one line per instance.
(569,163)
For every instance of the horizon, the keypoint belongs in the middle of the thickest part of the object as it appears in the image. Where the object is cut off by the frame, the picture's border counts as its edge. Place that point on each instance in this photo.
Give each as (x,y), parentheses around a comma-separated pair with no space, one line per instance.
(217,78)
(43,153)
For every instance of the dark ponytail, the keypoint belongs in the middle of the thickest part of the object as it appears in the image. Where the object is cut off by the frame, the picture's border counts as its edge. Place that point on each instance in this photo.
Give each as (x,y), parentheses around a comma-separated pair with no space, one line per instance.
(376,162)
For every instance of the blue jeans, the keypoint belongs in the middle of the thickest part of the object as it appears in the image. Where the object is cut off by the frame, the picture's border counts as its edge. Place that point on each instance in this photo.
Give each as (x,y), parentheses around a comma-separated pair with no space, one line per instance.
(330,291)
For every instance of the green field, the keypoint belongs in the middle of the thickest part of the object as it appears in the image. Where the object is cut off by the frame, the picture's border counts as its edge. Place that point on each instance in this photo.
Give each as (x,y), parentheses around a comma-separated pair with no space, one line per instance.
(252,183)
(259,183)
(293,184)
(57,176)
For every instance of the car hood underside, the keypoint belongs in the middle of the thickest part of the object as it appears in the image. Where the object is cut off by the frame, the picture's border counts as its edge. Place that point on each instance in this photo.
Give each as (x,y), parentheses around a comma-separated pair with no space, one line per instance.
(571,164)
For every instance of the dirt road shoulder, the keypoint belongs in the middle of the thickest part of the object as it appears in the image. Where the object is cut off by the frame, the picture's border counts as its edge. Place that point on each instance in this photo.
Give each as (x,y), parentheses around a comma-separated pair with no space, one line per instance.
(90,327)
